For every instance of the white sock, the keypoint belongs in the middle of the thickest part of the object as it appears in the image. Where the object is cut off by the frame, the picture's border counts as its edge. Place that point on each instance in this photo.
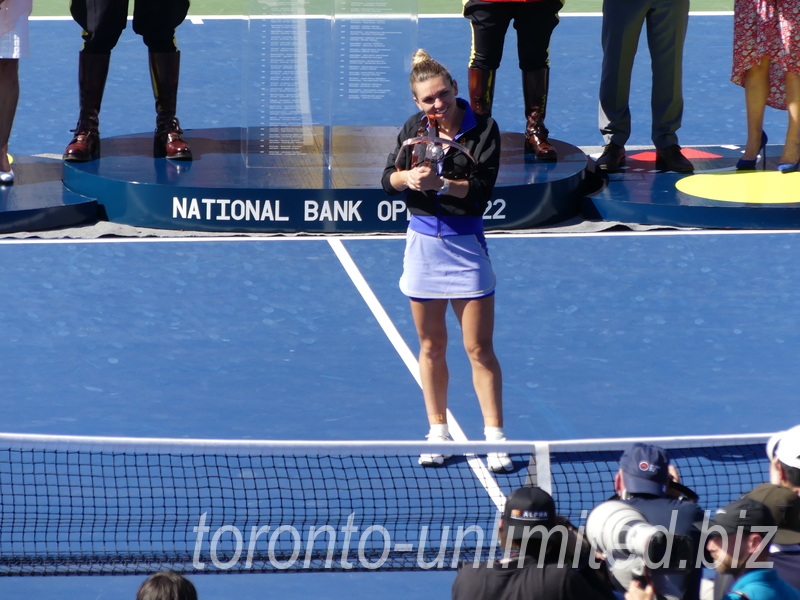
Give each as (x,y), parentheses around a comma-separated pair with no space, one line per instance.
(494,434)
(439,430)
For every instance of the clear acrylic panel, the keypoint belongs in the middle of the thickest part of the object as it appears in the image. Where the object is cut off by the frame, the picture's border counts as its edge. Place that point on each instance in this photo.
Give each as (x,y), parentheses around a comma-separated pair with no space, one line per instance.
(313,64)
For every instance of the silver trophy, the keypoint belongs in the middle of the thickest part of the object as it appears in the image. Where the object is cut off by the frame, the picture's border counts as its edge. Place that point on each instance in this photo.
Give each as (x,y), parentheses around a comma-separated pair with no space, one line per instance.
(430,148)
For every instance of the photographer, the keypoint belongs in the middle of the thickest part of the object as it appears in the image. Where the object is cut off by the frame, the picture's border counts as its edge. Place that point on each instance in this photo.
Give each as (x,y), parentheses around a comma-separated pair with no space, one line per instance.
(537,546)
(643,483)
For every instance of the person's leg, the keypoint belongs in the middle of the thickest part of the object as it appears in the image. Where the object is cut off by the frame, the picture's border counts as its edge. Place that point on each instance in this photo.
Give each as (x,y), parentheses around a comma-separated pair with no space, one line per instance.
(791,149)
(429,319)
(477,328)
(535,22)
(9,97)
(756,91)
(666,33)
(156,21)
(489,24)
(103,21)
(622,25)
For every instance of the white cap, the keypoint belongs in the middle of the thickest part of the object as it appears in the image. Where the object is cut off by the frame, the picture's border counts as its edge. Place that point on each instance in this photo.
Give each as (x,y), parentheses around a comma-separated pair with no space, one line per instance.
(785,446)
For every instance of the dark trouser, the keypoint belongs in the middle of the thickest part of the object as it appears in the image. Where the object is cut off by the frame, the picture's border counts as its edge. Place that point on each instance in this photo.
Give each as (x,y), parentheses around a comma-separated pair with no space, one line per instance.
(666,22)
(534,22)
(103,21)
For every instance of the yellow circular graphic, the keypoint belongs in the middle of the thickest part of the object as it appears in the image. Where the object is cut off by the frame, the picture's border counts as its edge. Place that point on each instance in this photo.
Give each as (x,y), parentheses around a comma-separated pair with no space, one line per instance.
(749,187)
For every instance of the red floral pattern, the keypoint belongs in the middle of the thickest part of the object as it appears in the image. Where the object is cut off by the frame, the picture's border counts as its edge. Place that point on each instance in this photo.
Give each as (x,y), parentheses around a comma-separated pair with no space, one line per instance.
(767,28)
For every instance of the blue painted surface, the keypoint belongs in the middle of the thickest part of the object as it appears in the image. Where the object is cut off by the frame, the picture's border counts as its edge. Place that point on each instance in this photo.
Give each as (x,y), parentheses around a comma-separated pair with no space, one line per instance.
(194,332)
(192,335)
(598,336)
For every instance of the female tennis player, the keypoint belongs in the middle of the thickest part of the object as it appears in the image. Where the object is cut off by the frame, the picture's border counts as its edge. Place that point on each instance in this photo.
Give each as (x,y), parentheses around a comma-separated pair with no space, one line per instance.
(446,260)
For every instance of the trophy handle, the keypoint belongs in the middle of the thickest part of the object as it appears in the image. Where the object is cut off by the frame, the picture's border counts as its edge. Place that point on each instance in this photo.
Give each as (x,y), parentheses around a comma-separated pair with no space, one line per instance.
(433,140)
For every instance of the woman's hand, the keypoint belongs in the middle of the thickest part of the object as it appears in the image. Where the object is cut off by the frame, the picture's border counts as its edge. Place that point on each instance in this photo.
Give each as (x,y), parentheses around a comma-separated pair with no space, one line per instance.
(422,179)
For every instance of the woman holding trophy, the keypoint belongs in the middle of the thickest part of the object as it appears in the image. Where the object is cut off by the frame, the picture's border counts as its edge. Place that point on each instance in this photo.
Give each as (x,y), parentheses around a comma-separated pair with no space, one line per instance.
(446,161)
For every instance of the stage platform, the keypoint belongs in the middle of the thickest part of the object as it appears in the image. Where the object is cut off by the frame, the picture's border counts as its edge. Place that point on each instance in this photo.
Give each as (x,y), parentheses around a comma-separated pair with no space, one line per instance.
(716,196)
(38,201)
(296,191)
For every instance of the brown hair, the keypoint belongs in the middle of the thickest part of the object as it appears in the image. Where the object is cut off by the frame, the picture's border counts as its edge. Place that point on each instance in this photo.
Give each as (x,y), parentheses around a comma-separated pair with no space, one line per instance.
(423,67)
(166,585)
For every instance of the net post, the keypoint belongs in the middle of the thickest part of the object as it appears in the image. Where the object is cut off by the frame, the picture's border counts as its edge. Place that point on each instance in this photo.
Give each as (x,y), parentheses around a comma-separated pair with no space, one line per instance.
(539,468)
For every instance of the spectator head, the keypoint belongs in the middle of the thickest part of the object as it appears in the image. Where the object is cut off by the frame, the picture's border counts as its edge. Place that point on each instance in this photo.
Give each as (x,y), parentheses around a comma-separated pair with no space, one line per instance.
(783,450)
(737,536)
(166,585)
(530,524)
(643,469)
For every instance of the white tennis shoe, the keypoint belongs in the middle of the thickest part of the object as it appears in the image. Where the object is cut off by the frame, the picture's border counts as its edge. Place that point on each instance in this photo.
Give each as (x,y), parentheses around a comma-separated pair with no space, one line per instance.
(499,462)
(435,460)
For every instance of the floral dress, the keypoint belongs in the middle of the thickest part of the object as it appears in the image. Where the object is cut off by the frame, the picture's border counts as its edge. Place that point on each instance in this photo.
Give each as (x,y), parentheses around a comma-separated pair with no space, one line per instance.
(768,28)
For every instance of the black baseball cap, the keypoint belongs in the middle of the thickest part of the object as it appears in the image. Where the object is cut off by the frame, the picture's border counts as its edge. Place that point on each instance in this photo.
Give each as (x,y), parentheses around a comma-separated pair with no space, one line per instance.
(784,505)
(529,507)
(645,469)
(745,513)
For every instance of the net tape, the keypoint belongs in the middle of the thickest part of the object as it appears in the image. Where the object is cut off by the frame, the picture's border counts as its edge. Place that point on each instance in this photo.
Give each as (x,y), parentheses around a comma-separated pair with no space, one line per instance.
(78,505)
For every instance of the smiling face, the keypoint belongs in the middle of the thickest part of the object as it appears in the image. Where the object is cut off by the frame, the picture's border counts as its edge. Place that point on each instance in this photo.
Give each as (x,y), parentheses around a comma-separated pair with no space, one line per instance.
(436,97)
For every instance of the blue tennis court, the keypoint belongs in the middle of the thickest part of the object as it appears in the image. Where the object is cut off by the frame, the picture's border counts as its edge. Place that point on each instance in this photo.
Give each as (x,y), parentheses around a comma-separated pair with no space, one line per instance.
(599,336)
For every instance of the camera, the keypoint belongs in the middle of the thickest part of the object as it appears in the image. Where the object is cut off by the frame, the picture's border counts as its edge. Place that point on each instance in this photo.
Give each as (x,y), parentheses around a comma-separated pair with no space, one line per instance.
(633,547)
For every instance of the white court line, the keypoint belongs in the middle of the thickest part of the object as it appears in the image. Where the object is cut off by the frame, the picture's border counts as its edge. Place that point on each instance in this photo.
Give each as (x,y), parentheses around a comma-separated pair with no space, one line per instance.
(481,472)
(199,19)
(399,236)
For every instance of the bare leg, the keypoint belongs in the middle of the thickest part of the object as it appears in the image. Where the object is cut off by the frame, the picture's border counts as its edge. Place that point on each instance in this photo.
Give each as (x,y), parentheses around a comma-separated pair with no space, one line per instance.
(429,318)
(477,328)
(756,90)
(791,149)
(9,96)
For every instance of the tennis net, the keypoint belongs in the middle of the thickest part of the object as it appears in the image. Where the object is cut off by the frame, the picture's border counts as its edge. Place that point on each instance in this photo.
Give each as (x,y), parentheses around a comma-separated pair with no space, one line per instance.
(80,505)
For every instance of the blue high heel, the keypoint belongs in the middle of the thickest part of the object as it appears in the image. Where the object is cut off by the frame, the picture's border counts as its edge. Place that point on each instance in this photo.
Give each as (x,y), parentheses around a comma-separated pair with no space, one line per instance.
(789,167)
(750,165)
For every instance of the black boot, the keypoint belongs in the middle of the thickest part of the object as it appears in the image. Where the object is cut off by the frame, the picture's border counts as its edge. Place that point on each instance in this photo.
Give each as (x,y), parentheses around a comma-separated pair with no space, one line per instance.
(481,90)
(534,90)
(164,70)
(92,74)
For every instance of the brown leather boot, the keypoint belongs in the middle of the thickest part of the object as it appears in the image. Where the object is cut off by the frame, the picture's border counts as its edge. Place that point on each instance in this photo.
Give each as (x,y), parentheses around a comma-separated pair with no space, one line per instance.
(534,90)
(481,90)
(165,70)
(92,74)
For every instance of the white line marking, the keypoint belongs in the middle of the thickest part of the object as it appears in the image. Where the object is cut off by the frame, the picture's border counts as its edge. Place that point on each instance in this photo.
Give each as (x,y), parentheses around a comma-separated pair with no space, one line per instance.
(319,238)
(201,18)
(196,20)
(481,472)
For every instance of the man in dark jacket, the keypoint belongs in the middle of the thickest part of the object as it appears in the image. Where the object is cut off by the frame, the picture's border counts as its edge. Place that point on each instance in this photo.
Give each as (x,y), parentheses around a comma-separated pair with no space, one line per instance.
(642,482)
(536,560)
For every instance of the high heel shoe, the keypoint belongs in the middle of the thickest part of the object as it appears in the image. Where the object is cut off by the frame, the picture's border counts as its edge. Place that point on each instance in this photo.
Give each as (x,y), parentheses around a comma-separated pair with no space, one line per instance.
(788,167)
(6,177)
(750,165)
